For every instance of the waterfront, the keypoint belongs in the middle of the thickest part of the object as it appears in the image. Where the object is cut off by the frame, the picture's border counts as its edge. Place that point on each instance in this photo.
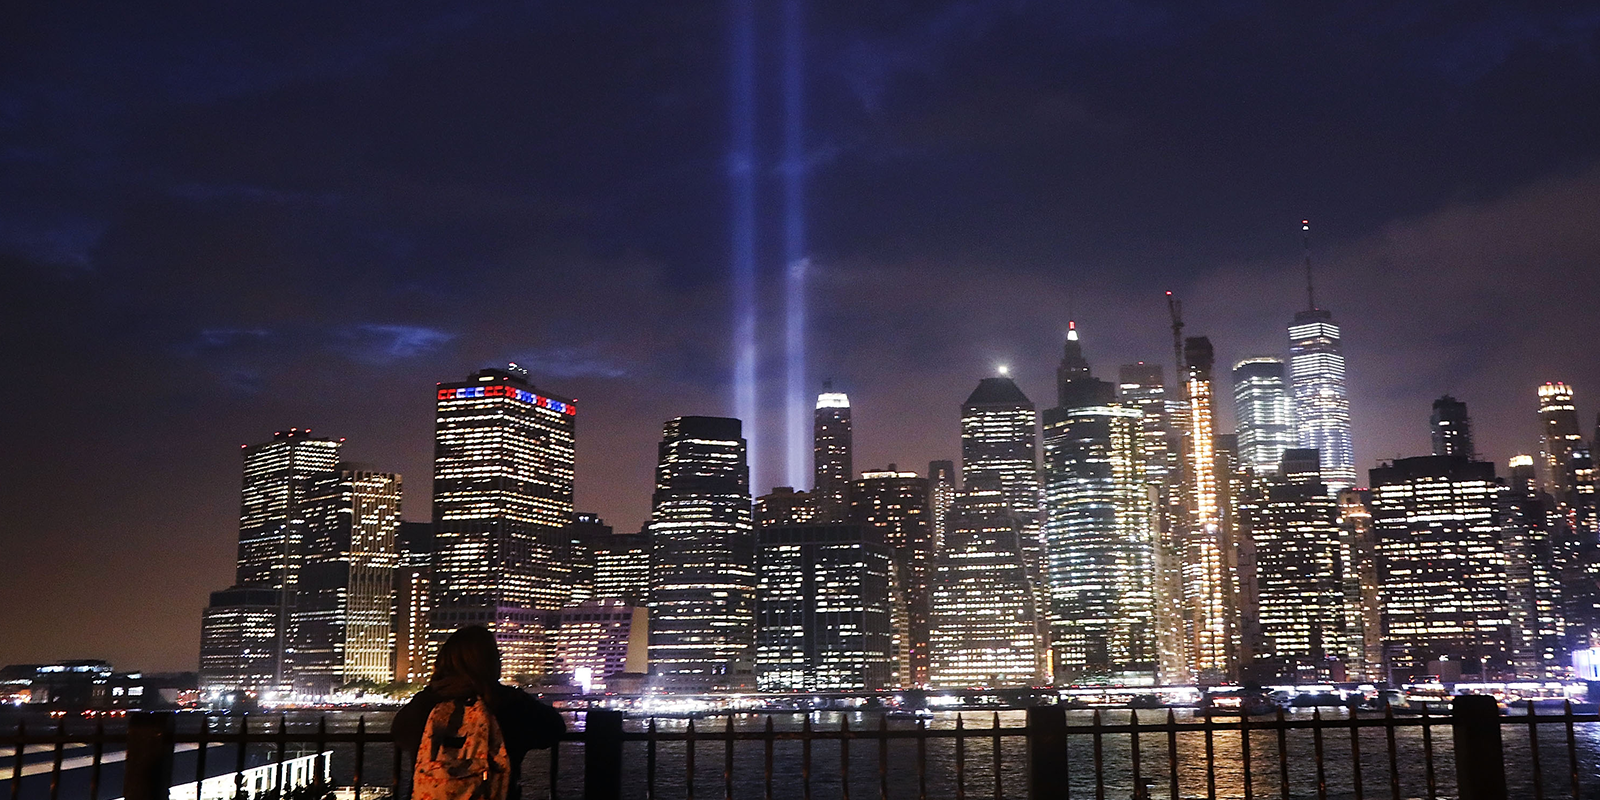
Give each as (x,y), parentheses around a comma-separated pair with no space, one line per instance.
(978,773)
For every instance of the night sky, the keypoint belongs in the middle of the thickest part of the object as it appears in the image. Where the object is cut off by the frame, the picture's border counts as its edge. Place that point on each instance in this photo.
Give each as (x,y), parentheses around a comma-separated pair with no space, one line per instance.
(218,220)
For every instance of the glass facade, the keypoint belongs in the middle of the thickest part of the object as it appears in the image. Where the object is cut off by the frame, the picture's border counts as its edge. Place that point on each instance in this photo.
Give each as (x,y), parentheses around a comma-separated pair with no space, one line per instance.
(1261,410)
(702,570)
(897,504)
(1321,403)
(832,469)
(823,609)
(502,500)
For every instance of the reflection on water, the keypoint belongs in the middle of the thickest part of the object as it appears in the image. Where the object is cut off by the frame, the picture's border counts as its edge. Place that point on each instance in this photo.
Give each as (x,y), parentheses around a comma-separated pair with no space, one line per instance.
(978,774)
(977,777)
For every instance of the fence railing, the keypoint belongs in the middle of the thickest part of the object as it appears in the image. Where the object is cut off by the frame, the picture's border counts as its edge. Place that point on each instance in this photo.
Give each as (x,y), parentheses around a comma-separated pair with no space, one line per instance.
(1056,760)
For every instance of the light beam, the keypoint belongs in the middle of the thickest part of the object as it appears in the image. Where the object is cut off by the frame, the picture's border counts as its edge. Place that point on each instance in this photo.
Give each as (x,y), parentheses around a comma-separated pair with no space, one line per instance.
(797,469)
(741,179)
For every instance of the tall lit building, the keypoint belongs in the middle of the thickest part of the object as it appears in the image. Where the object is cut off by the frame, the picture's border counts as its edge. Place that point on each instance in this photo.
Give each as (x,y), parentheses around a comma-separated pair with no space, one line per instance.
(1203,542)
(831,465)
(1565,470)
(622,568)
(1534,588)
(342,627)
(502,500)
(1451,428)
(585,532)
(413,602)
(702,567)
(1098,530)
(1441,566)
(985,627)
(942,490)
(271,529)
(896,504)
(823,609)
(1316,377)
(239,642)
(1143,386)
(1261,409)
(1300,579)
(999,444)
(1363,604)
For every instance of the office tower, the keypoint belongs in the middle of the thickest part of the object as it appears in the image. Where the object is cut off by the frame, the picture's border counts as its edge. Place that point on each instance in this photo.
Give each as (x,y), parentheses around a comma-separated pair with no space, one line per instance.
(1300,579)
(1261,408)
(897,504)
(1203,541)
(413,602)
(584,533)
(823,609)
(343,615)
(702,566)
(1451,428)
(1565,470)
(596,639)
(1363,605)
(239,641)
(999,443)
(1441,567)
(271,524)
(1534,586)
(502,499)
(831,465)
(785,506)
(985,627)
(942,490)
(1143,386)
(1098,530)
(1316,377)
(622,568)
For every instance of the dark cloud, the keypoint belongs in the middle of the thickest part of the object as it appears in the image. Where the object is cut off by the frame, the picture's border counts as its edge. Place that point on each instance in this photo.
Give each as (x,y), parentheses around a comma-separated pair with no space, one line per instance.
(216,222)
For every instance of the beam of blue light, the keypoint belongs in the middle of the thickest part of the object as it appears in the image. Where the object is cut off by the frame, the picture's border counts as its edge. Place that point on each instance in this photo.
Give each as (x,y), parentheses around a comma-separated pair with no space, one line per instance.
(741,179)
(794,243)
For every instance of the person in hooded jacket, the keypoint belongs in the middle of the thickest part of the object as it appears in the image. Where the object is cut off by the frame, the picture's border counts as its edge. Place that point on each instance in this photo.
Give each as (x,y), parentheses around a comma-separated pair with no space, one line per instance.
(468,665)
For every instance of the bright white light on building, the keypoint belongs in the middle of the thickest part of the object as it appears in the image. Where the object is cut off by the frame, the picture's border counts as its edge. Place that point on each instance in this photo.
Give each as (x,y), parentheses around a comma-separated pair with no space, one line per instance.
(833,400)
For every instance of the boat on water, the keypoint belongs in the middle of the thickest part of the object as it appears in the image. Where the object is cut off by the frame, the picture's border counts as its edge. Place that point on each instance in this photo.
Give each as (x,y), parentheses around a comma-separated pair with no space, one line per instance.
(1238,703)
(909,713)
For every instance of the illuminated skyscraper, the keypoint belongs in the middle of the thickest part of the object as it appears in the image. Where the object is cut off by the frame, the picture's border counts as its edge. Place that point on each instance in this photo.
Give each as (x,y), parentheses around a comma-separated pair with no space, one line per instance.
(1441,567)
(999,444)
(1300,578)
(1261,407)
(1451,428)
(1565,470)
(702,566)
(831,464)
(1534,588)
(985,627)
(1143,386)
(1099,539)
(1204,543)
(1363,605)
(344,600)
(413,602)
(502,499)
(1321,404)
(896,503)
(823,609)
(585,533)
(271,527)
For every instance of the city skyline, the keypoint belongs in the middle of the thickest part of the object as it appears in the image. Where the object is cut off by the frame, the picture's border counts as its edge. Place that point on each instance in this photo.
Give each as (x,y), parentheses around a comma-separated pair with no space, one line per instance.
(311,231)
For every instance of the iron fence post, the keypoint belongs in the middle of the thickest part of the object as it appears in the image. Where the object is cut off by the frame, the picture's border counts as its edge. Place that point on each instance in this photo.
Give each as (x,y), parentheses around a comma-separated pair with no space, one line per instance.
(602,755)
(1047,747)
(1480,762)
(147,772)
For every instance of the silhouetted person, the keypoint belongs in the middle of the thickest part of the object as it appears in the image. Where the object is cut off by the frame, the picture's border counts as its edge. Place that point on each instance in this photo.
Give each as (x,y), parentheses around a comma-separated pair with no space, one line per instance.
(468,667)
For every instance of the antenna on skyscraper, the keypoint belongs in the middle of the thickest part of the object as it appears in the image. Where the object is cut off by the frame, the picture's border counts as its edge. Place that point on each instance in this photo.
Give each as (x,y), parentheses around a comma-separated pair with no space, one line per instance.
(1311,295)
(1175,310)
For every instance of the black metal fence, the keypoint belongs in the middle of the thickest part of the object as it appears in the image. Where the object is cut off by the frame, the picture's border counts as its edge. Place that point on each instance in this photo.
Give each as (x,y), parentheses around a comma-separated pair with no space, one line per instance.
(1126,760)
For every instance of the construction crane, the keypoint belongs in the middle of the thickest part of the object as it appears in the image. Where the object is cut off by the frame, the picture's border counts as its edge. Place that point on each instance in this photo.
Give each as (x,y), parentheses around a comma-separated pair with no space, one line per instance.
(1175,309)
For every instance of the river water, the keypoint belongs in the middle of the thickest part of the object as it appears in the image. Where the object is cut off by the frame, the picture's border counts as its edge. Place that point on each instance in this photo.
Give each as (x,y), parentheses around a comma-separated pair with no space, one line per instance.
(979,774)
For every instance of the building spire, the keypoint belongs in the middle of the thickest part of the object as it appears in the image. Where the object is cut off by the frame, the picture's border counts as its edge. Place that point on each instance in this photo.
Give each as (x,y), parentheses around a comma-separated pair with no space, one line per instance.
(1311,294)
